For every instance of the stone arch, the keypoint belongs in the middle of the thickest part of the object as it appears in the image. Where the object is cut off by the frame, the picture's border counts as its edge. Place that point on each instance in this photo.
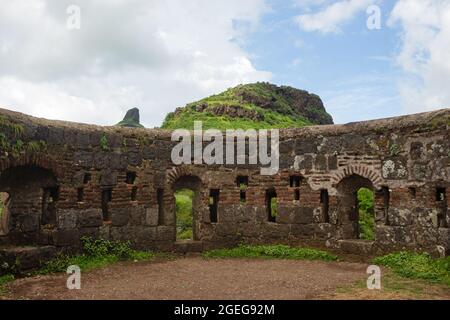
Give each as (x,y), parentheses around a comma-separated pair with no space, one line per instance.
(175,173)
(183,179)
(360,170)
(347,204)
(32,159)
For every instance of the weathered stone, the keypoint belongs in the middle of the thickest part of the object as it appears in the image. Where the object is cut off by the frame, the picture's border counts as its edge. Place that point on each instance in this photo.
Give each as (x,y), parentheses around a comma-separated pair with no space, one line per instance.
(67,219)
(90,218)
(120,216)
(151,216)
(108,178)
(67,238)
(406,161)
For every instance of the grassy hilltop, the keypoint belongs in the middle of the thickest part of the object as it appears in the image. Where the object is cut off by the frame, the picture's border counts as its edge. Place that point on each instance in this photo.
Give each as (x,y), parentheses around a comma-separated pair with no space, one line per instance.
(257,105)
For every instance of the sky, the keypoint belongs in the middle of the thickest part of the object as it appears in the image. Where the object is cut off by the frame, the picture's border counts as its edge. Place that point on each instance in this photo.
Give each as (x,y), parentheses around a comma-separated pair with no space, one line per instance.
(91,60)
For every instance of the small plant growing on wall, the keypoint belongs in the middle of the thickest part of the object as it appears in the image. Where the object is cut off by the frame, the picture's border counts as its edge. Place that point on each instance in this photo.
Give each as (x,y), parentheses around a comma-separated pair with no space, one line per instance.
(394,150)
(17,147)
(36,146)
(104,143)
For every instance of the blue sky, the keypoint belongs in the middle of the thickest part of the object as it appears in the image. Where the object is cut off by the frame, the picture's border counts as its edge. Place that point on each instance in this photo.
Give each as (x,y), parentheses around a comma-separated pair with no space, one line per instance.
(353,71)
(90,61)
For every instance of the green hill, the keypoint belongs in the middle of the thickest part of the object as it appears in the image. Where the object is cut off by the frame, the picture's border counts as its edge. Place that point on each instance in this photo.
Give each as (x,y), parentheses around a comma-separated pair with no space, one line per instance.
(257,105)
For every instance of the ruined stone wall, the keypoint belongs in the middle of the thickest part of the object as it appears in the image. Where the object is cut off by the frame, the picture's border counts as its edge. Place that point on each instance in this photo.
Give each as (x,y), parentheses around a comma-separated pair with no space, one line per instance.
(78,180)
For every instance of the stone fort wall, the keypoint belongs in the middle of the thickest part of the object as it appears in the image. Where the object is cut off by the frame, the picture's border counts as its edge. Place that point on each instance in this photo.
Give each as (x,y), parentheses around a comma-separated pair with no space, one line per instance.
(66,180)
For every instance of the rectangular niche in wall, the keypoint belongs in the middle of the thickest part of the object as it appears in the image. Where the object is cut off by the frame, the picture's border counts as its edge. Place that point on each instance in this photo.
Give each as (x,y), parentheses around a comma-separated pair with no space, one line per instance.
(412,192)
(106,199)
(213,204)
(324,201)
(131,177)
(87,177)
(442,204)
(134,193)
(297,195)
(294,181)
(386,201)
(242,184)
(271,205)
(440,194)
(80,194)
(160,199)
(49,198)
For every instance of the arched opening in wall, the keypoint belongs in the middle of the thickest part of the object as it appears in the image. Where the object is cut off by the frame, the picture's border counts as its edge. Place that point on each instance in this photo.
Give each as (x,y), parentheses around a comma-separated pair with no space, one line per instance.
(184,214)
(186,191)
(356,208)
(32,202)
(4,213)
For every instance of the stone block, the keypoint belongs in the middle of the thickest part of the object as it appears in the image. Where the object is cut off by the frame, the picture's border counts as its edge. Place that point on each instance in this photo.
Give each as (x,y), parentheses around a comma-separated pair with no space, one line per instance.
(120,216)
(151,216)
(90,218)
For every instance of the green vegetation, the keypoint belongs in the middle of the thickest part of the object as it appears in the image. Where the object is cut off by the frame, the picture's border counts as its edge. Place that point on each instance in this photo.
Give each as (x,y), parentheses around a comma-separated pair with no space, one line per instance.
(366,214)
(16,129)
(18,147)
(36,146)
(271,252)
(183,204)
(252,106)
(273,207)
(394,150)
(210,121)
(130,123)
(10,136)
(417,266)
(95,254)
(4,280)
(104,143)
(11,139)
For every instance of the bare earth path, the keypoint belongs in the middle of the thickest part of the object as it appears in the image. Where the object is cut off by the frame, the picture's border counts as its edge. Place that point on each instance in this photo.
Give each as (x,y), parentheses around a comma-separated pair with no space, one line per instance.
(197,278)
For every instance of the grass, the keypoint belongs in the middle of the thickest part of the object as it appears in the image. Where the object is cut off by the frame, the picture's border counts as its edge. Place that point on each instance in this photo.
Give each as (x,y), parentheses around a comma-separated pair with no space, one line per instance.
(393,287)
(130,124)
(96,254)
(183,203)
(4,280)
(271,252)
(417,266)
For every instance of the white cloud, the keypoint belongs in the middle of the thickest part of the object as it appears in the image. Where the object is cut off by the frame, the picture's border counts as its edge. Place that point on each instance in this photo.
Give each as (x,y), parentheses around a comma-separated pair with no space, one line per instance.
(424,53)
(332,17)
(157,55)
(362,97)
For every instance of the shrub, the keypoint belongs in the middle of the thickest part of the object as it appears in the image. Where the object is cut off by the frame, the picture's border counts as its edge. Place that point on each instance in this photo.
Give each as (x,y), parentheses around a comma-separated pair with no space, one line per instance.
(96,253)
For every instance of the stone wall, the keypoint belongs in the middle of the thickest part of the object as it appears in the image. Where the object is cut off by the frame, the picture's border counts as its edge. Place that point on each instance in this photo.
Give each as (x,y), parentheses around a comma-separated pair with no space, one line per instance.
(67,180)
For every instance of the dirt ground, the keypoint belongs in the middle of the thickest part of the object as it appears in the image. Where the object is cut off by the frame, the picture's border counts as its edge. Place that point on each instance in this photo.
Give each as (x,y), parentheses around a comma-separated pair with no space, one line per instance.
(195,278)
